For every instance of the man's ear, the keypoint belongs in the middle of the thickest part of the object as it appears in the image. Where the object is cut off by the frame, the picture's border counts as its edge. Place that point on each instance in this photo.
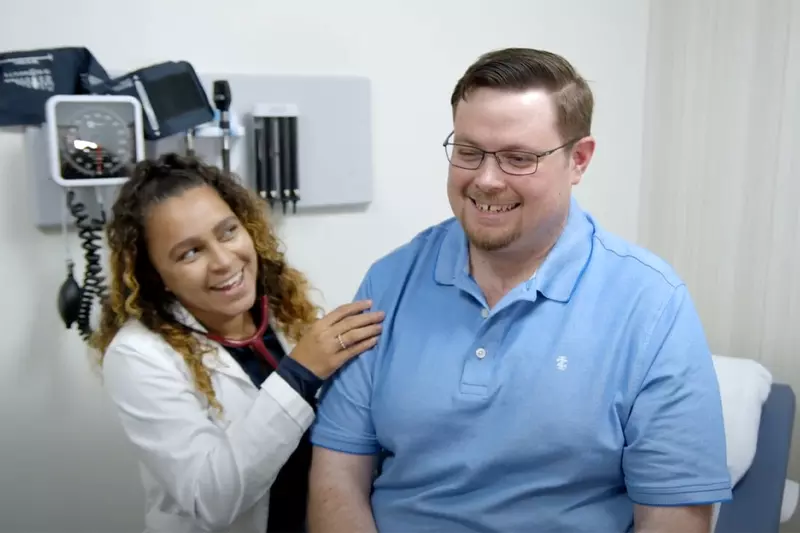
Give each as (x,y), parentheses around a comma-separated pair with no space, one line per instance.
(580,157)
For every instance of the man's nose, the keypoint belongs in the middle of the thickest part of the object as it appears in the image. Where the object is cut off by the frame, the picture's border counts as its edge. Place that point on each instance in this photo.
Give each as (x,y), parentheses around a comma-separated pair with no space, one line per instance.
(489,175)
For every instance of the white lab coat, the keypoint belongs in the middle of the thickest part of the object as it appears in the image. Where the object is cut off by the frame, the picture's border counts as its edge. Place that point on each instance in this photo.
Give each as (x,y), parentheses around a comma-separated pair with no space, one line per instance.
(201,473)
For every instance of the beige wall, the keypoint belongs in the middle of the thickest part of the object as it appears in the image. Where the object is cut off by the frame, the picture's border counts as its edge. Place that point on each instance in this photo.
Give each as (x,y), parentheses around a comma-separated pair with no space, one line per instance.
(720,190)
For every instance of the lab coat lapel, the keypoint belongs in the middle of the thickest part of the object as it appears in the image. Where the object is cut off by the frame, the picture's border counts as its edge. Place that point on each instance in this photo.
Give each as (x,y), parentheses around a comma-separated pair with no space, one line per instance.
(221,361)
(224,363)
(285,344)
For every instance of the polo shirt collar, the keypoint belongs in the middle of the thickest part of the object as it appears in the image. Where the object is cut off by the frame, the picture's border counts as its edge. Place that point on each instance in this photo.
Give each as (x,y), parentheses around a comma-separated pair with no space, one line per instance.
(558,275)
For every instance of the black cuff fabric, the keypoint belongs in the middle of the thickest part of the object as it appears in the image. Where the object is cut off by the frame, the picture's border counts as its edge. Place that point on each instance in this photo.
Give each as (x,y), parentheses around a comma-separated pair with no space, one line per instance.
(301,379)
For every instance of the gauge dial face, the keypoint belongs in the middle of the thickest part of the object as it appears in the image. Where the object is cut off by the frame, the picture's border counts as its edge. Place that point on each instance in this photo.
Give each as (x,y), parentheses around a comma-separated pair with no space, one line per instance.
(96,142)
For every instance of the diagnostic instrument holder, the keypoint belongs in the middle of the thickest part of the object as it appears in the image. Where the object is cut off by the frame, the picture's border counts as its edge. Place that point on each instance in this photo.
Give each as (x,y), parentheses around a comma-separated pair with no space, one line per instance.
(275,147)
(333,144)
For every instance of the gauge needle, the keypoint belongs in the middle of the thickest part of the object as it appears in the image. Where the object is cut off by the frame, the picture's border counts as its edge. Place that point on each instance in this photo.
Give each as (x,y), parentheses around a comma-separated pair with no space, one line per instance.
(99,160)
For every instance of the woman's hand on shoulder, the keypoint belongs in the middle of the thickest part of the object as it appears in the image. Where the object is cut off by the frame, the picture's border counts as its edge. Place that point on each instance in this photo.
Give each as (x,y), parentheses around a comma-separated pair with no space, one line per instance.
(334,339)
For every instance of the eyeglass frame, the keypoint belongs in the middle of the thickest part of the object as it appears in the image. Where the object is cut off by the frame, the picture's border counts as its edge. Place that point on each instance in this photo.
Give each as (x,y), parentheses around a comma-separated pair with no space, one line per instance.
(484,153)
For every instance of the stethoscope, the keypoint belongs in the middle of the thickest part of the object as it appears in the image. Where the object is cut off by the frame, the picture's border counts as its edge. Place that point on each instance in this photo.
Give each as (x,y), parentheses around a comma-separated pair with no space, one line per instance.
(256,340)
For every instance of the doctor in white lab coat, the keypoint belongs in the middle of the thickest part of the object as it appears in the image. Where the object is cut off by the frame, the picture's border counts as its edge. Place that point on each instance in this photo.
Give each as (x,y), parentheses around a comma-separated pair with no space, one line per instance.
(195,355)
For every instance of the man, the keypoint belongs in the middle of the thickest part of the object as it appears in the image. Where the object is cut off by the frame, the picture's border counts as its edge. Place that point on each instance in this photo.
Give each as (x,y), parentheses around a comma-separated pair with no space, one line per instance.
(535,373)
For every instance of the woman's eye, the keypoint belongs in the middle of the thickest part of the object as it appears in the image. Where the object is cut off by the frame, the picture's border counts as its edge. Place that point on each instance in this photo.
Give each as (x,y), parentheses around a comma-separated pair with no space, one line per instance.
(188,254)
(230,232)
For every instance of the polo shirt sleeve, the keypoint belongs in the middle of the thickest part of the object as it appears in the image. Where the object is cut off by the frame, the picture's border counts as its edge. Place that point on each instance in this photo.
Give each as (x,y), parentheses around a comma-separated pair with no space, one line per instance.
(344,416)
(675,451)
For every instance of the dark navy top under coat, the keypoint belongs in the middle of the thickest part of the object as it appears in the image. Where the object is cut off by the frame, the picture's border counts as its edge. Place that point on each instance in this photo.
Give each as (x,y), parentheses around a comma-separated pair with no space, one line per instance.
(289,493)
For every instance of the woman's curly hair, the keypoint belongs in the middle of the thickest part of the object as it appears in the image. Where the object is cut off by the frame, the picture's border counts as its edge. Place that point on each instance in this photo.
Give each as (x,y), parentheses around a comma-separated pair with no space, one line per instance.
(136,291)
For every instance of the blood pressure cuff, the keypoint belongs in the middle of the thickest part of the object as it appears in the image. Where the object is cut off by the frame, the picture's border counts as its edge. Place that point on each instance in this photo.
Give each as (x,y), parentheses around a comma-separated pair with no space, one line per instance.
(172,96)
(29,78)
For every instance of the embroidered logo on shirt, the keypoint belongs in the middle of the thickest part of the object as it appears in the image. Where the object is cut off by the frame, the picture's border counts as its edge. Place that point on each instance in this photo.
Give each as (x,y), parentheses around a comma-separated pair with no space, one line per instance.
(561,363)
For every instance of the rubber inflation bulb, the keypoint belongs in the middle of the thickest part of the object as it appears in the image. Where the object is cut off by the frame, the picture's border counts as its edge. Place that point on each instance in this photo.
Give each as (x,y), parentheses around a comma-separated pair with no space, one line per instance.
(69,299)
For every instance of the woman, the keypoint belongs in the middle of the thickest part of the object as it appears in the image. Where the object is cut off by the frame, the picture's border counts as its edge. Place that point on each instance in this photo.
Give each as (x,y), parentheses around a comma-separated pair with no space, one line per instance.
(192,355)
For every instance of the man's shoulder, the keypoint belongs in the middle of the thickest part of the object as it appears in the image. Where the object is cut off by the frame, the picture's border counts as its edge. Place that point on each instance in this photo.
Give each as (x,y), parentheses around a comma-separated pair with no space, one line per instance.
(419,250)
(635,280)
(636,262)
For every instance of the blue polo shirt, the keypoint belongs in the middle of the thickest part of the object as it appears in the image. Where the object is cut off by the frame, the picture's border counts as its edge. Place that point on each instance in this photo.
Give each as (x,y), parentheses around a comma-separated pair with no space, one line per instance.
(587,388)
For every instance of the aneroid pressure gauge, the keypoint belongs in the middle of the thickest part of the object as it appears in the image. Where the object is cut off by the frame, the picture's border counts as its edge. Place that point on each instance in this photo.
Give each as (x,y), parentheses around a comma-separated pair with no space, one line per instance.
(93,140)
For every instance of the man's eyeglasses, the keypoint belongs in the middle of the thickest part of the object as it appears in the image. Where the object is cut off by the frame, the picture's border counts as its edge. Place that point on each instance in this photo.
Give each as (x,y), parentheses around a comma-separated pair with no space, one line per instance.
(513,162)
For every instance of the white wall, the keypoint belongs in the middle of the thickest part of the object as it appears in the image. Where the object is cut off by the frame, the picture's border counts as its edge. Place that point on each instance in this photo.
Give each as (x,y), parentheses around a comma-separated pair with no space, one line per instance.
(64,466)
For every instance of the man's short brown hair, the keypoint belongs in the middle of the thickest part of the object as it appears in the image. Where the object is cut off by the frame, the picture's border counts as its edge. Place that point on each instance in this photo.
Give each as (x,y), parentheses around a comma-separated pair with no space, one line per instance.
(519,69)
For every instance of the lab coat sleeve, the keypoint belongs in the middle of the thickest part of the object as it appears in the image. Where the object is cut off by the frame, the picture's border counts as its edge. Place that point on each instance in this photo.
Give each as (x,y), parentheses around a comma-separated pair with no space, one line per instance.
(214,474)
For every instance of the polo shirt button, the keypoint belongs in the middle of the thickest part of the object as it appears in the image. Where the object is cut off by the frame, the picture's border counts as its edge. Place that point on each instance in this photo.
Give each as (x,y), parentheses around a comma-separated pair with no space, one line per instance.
(485,313)
(481,353)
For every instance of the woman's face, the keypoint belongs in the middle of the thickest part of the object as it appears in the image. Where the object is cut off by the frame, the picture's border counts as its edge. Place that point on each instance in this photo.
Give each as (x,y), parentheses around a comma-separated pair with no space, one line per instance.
(204,256)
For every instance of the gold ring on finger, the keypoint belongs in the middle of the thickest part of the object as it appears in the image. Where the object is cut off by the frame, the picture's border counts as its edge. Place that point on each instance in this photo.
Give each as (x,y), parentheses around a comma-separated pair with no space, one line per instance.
(341,342)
